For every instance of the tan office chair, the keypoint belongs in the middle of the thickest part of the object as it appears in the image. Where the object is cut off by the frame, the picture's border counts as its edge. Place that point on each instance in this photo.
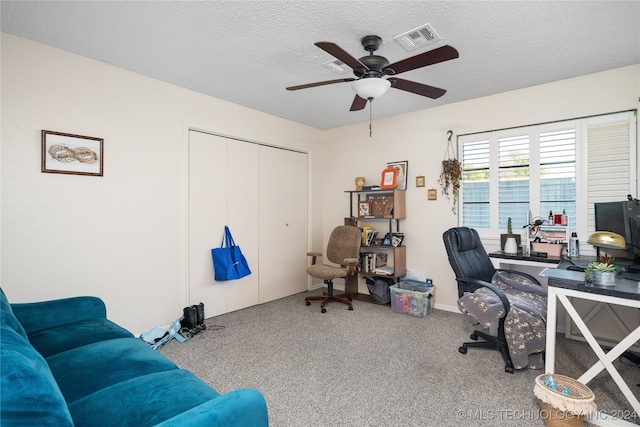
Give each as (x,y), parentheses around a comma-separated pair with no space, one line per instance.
(343,249)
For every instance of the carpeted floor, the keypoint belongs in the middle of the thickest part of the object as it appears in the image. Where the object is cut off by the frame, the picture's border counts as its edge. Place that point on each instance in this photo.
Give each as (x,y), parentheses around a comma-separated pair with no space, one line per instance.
(373,367)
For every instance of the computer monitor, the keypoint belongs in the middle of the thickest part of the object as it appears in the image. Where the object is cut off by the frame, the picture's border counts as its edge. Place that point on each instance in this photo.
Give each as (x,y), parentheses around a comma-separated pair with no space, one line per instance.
(622,218)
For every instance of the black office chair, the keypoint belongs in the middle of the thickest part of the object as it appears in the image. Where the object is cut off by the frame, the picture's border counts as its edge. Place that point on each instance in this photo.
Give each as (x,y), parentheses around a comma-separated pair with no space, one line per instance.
(343,249)
(485,293)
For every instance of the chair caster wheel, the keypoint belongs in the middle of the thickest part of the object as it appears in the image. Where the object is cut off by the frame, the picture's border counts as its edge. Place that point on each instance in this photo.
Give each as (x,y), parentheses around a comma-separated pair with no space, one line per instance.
(350,308)
(474,337)
(308,303)
(463,350)
(324,310)
(509,369)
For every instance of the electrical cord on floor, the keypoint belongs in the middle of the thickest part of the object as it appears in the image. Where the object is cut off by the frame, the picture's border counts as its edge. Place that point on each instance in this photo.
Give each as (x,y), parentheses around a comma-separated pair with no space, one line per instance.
(632,358)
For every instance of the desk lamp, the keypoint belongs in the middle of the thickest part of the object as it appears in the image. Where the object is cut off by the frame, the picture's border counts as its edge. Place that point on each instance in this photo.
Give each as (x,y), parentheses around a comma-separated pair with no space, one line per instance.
(607,240)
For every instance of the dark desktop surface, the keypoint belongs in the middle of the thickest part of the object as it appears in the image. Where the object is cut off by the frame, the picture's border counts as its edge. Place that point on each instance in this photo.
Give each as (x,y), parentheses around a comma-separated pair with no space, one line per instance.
(627,269)
(520,257)
(625,286)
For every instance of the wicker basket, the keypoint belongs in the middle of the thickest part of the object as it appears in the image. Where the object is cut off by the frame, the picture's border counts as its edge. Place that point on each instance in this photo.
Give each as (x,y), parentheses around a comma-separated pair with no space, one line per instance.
(561,410)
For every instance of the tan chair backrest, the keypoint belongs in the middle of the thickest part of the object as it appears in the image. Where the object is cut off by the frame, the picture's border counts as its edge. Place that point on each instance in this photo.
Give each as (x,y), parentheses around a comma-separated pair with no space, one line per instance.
(344,242)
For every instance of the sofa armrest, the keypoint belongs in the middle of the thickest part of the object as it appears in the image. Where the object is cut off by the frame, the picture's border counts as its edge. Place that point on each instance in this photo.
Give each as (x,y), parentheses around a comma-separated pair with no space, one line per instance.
(36,316)
(243,407)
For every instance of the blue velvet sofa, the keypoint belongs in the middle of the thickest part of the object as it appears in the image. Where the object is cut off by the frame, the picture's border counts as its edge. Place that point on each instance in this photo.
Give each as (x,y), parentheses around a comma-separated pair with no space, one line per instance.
(64,364)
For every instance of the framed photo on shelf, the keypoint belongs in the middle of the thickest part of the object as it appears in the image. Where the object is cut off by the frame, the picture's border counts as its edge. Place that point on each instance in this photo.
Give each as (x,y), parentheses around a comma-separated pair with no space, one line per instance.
(72,154)
(402,168)
(397,239)
(389,176)
(387,240)
(364,208)
(420,181)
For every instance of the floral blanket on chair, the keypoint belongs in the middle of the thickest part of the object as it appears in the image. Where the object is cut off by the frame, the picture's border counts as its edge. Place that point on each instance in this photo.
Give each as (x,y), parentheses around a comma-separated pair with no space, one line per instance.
(525,325)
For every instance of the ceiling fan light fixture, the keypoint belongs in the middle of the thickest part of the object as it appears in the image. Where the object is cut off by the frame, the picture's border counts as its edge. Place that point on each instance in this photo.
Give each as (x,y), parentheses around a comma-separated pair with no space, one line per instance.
(371,88)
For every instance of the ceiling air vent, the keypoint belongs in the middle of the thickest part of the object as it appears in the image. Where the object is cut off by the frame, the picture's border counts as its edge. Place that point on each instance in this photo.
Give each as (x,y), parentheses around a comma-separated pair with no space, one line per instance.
(337,66)
(418,37)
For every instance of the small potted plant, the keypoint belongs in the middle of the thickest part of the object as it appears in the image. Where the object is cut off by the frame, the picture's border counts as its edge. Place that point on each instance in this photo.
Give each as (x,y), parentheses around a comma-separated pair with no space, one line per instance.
(602,272)
(504,237)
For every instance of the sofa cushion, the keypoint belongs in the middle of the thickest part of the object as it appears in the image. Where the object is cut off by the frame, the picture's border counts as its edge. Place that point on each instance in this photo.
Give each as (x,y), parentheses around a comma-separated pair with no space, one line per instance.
(87,369)
(143,401)
(29,394)
(7,317)
(77,334)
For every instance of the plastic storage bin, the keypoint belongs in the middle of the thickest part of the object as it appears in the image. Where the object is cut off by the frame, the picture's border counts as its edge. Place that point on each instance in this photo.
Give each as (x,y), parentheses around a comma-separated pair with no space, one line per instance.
(412,297)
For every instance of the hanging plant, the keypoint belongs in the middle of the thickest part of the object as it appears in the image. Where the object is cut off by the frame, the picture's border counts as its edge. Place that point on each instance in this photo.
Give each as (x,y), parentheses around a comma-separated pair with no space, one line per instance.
(451,174)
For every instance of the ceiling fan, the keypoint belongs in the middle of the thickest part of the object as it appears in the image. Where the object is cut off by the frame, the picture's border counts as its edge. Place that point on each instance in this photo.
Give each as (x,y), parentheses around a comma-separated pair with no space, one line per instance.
(370,70)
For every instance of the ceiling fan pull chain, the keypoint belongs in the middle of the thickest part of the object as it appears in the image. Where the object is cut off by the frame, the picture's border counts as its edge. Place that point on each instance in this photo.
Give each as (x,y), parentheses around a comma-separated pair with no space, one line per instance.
(370,117)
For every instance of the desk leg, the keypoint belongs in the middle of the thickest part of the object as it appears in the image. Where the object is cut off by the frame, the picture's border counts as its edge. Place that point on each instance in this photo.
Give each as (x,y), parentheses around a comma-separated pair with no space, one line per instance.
(552,318)
(605,358)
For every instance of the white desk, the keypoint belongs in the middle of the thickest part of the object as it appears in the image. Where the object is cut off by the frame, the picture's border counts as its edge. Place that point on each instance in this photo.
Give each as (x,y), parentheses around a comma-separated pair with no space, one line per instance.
(564,284)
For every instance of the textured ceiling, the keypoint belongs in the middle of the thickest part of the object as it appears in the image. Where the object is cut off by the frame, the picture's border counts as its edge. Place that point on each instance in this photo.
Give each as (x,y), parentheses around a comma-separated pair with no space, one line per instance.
(247,52)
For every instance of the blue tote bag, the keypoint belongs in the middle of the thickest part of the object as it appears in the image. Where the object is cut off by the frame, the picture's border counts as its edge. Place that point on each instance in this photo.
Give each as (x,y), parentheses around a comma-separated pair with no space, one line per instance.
(228,261)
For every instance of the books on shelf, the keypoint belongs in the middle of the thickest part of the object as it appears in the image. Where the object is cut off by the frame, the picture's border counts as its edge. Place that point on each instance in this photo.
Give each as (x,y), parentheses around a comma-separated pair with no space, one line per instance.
(365,230)
(368,235)
(374,262)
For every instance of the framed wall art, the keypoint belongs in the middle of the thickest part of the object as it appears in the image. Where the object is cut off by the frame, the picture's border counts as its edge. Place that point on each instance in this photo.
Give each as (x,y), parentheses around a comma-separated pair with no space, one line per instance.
(420,181)
(432,194)
(72,154)
(402,168)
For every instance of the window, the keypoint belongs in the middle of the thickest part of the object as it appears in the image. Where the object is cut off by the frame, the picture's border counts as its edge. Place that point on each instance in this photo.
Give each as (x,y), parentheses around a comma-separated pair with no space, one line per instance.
(561,166)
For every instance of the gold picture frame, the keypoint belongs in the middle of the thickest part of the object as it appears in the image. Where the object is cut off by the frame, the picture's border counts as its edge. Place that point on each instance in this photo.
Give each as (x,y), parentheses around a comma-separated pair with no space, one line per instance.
(420,181)
(432,194)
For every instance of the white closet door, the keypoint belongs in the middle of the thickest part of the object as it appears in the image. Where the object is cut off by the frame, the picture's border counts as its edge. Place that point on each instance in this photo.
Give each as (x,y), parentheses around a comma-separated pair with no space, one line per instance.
(242,218)
(283,223)
(221,195)
(260,192)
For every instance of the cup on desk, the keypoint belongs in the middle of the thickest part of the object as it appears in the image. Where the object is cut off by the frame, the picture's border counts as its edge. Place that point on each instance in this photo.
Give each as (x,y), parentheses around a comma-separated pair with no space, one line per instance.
(526,251)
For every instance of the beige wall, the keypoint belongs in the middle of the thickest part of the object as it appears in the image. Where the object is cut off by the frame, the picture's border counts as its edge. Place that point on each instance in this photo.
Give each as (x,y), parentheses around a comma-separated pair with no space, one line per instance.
(122,236)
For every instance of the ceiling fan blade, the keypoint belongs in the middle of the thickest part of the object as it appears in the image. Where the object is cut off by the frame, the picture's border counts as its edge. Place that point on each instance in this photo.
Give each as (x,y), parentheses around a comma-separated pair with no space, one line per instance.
(326,82)
(358,104)
(417,88)
(435,56)
(336,51)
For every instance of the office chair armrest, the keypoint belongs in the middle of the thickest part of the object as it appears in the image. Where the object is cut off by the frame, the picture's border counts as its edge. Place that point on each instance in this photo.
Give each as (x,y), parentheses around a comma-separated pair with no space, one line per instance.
(314,255)
(523,274)
(351,265)
(482,284)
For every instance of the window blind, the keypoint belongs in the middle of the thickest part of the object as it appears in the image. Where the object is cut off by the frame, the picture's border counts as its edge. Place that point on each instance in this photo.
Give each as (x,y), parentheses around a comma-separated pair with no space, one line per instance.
(610,176)
(564,165)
